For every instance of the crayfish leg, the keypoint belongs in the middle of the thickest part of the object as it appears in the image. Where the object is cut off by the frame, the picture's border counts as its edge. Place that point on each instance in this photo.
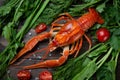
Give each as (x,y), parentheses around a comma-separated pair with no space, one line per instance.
(68,15)
(59,19)
(89,40)
(79,47)
(75,48)
(64,16)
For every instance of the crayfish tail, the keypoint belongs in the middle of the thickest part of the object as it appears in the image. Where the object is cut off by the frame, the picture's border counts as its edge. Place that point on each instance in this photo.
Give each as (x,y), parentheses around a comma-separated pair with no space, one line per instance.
(100,20)
(96,15)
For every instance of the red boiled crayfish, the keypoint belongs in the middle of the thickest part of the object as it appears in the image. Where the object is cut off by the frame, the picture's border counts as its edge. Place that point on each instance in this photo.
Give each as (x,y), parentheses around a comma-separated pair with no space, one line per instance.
(63,35)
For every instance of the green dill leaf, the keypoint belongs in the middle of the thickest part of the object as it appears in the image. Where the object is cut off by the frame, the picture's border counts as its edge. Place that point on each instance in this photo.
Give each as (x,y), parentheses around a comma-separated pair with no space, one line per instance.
(100,8)
(3,69)
(111,66)
(7,32)
(6,8)
(17,16)
(101,50)
(104,74)
(86,72)
(2,58)
(115,40)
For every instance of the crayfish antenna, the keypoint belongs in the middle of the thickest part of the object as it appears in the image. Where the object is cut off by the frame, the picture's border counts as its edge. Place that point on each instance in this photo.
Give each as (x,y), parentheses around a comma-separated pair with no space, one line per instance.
(47,49)
(46,53)
(50,48)
(30,54)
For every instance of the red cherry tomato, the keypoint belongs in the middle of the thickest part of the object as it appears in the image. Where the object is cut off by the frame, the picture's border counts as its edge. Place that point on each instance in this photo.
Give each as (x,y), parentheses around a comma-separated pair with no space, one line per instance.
(24,75)
(103,34)
(40,28)
(45,75)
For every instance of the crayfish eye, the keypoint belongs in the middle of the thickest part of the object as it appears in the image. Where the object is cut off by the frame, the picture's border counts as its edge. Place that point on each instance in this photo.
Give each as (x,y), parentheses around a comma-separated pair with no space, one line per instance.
(55,43)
